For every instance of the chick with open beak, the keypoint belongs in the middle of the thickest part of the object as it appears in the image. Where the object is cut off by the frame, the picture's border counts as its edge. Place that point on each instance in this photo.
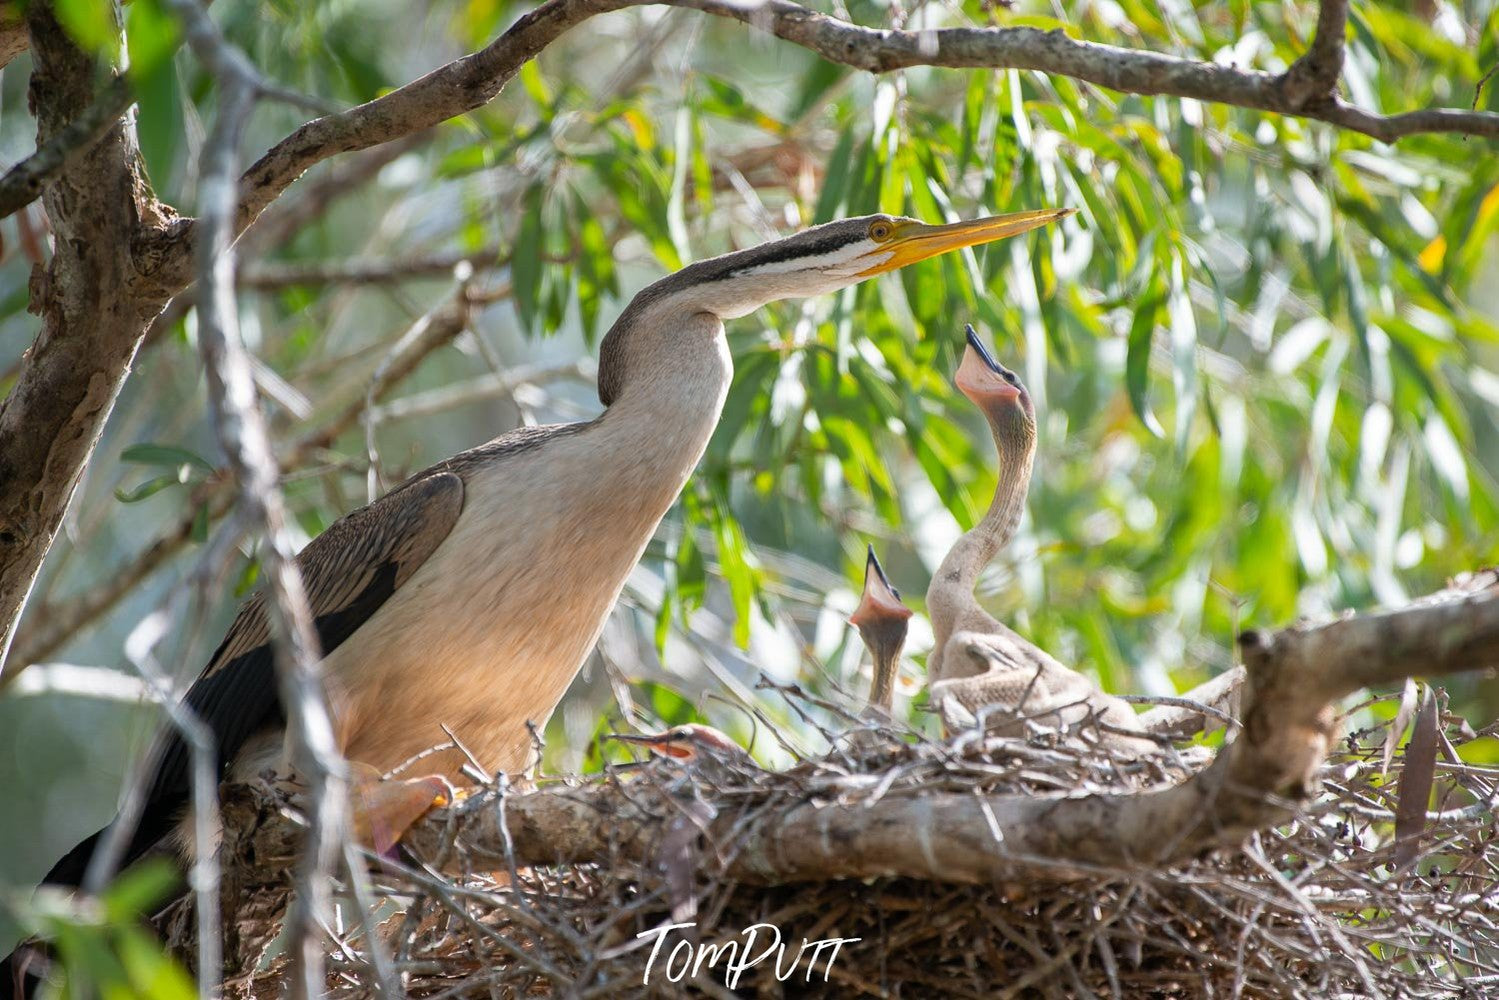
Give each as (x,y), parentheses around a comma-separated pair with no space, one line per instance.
(689,743)
(995,390)
(979,667)
(882,620)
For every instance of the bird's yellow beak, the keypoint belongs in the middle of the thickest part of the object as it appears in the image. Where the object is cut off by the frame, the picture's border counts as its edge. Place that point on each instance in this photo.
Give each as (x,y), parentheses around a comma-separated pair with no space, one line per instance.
(912,241)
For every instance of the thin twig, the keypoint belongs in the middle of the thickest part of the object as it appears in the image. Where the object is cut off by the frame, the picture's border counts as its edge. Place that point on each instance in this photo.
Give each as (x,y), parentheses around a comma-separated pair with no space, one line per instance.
(242,435)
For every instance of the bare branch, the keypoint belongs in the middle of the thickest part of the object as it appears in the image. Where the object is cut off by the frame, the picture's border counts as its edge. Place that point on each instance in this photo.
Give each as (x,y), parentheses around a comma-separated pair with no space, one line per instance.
(482,387)
(1209,706)
(1254,783)
(1132,71)
(229,65)
(242,434)
(91,322)
(13,37)
(204,874)
(50,626)
(472,81)
(316,195)
(367,271)
(24,182)
(1445,633)
(285,218)
(1315,74)
(446,92)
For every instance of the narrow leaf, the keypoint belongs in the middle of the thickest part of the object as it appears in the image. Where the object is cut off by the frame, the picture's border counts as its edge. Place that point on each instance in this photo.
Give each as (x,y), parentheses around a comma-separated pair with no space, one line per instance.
(164,454)
(1137,361)
(525,268)
(1397,727)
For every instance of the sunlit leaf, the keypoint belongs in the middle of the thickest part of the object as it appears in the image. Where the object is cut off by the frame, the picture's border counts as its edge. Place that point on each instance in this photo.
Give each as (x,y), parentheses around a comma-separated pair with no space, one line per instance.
(1137,365)
(526,260)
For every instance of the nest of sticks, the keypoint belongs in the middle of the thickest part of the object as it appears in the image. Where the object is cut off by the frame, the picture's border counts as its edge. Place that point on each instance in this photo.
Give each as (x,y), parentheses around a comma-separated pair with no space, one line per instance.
(1331,903)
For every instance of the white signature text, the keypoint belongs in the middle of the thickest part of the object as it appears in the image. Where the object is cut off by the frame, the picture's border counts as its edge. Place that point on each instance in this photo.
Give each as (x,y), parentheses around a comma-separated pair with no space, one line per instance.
(738,955)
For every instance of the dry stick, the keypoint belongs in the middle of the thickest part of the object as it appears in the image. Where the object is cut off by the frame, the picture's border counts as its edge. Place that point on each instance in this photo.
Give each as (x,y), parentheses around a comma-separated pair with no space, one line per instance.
(242,435)
(368,270)
(283,220)
(437,326)
(204,875)
(481,388)
(317,194)
(53,625)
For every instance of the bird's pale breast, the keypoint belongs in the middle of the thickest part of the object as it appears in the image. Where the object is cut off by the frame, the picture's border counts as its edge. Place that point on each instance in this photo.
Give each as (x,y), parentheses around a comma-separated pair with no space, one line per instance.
(490,631)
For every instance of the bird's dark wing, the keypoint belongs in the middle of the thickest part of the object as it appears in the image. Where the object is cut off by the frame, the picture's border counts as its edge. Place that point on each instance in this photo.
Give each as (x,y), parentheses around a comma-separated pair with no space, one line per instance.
(349,571)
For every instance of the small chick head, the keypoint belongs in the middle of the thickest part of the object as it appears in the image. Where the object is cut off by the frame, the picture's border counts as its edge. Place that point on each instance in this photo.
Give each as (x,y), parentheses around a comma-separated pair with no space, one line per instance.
(881,617)
(993,388)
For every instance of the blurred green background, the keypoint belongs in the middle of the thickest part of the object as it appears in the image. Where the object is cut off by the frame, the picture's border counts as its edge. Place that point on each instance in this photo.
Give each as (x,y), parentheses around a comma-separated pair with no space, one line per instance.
(1265,352)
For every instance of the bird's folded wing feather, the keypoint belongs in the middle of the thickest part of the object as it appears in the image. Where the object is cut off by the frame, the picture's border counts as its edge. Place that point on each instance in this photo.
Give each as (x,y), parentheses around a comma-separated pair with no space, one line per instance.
(348,572)
(1023,681)
(1005,670)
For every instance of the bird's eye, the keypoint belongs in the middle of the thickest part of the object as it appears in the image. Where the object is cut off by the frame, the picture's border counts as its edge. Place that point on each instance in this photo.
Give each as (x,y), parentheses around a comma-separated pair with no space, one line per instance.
(1010,377)
(880,231)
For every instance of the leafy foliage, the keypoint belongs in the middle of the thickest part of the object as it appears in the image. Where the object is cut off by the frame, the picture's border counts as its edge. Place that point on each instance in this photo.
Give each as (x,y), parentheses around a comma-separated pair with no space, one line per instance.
(105,948)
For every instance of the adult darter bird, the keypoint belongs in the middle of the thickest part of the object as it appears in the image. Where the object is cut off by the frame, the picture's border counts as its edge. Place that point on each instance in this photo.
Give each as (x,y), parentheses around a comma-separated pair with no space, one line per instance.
(470,595)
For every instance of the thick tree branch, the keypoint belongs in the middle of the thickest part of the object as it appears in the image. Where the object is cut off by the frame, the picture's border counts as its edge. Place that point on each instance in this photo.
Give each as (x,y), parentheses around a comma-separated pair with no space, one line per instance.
(13,37)
(23,183)
(1133,71)
(1253,784)
(91,321)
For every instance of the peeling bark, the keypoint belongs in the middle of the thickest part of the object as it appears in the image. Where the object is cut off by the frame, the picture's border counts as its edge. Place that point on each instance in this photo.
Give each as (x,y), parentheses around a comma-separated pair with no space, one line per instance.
(92,320)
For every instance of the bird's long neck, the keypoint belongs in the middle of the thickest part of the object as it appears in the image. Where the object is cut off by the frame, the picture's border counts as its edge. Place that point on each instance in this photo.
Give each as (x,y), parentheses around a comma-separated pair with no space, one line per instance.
(882,690)
(653,433)
(950,597)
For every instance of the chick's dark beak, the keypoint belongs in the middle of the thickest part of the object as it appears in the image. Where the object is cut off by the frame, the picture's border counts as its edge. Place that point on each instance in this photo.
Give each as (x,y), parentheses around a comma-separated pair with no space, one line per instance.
(986,382)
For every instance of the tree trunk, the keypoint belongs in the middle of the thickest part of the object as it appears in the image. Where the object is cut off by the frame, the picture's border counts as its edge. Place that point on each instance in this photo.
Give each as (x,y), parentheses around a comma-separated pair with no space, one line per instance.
(93,315)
